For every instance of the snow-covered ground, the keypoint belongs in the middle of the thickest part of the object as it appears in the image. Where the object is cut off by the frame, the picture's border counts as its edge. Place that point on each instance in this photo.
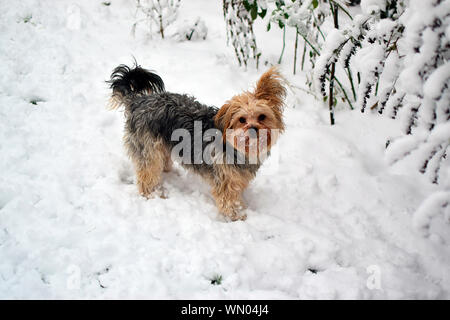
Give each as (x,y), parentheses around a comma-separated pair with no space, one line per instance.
(330,220)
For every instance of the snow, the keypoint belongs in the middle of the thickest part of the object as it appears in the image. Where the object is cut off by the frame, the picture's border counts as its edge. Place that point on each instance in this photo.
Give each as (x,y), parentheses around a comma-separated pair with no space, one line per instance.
(372,6)
(433,206)
(434,86)
(192,31)
(332,221)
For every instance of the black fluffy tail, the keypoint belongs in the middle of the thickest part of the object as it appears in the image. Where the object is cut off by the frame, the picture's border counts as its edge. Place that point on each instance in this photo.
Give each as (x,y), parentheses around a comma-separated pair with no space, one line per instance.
(128,82)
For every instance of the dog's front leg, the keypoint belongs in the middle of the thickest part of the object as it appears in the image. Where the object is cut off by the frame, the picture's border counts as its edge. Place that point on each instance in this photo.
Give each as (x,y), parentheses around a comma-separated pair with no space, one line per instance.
(228,197)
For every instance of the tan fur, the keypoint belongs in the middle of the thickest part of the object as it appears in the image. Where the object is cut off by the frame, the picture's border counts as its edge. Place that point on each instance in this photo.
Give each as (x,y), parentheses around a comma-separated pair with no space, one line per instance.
(266,99)
(269,93)
(228,188)
(148,178)
(150,166)
(167,160)
(114,102)
(270,88)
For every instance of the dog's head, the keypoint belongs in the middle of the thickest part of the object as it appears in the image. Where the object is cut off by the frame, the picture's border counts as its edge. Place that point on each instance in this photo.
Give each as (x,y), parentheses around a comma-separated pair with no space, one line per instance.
(251,121)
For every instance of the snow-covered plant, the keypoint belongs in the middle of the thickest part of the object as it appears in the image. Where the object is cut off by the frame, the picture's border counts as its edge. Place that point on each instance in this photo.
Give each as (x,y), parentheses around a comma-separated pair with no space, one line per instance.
(436,206)
(307,18)
(420,96)
(282,16)
(371,38)
(239,16)
(192,31)
(159,13)
(399,50)
(378,46)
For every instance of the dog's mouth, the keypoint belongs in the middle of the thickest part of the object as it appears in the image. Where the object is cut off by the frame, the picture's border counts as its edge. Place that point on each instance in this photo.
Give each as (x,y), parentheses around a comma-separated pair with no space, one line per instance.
(251,141)
(256,141)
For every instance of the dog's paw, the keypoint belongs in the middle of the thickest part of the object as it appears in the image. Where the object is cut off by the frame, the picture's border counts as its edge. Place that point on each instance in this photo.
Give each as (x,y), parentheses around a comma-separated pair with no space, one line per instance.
(239,217)
(147,195)
(160,192)
(235,215)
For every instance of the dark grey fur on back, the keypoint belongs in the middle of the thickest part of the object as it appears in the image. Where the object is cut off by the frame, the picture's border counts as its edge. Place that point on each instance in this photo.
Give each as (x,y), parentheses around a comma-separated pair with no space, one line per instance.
(162,113)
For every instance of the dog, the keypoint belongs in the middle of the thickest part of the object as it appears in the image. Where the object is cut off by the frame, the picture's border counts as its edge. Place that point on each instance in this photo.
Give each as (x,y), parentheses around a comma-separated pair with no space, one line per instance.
(246,127)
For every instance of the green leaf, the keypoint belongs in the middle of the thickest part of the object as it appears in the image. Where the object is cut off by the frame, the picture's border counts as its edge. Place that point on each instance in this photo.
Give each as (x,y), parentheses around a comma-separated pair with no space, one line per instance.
(263,12)
(35,101)
(247,5)
(268,26)
(254,12)
(27,18)
(280,24)
(315,3)
(217,280)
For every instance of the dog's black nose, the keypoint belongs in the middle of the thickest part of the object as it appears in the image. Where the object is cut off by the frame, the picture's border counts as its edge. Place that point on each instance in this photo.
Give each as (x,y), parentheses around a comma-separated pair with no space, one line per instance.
(253,132)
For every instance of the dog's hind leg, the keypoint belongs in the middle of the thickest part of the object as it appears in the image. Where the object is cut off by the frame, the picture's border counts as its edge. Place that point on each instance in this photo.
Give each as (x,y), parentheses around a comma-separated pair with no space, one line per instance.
(148,176)
(167,161)
(148,156)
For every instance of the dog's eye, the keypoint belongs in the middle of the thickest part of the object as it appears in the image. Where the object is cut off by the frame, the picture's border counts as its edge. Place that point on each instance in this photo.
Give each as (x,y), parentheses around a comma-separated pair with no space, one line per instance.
(261,117)
(242,120)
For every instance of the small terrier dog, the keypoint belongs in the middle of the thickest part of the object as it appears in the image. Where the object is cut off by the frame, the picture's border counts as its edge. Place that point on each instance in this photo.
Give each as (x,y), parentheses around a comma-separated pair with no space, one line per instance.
(153,115)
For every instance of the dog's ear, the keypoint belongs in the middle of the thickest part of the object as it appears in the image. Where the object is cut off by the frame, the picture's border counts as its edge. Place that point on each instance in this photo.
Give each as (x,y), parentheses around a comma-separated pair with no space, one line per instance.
(270,88)
(223,118)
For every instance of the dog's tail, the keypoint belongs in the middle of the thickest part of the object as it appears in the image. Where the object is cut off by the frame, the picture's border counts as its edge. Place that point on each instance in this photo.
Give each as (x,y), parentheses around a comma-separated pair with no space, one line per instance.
(127,83)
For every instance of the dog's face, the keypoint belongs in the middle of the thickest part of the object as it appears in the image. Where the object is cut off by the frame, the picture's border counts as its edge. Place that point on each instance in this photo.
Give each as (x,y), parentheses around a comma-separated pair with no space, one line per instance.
(251,121)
